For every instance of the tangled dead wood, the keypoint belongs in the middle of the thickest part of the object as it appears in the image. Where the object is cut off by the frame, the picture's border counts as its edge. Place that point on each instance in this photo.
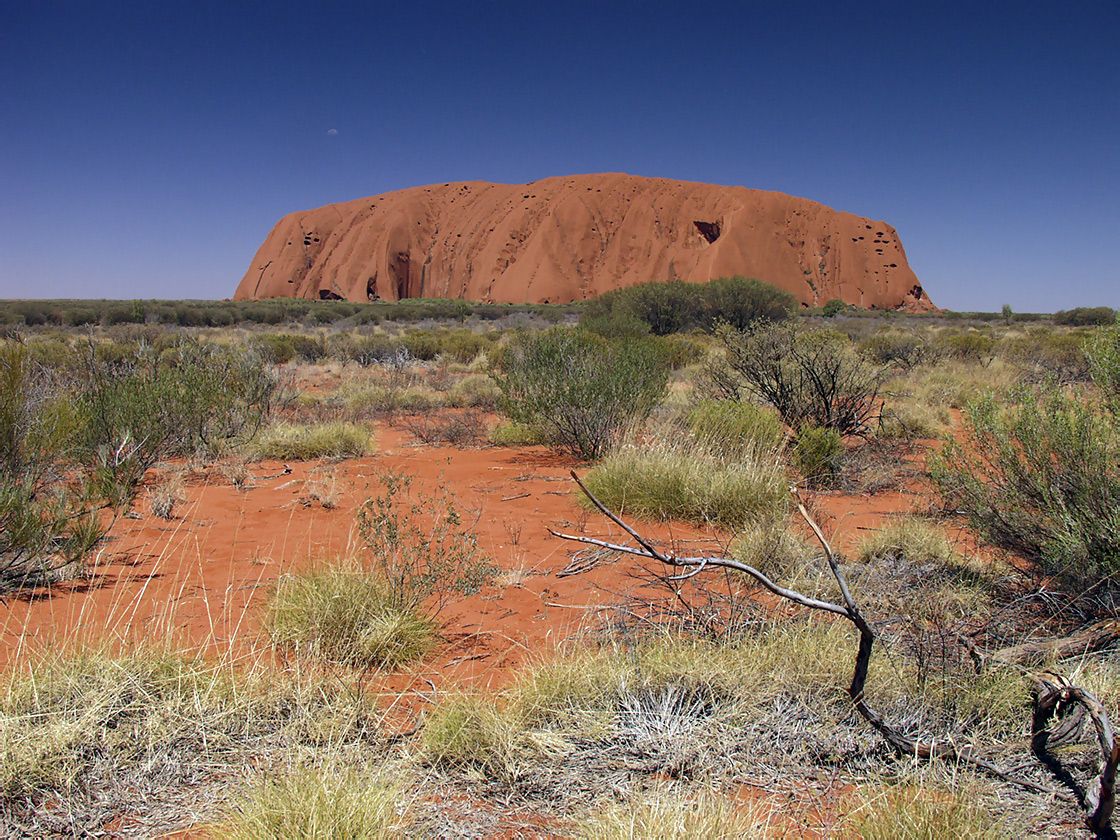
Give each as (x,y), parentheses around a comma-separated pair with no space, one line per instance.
(1053,696)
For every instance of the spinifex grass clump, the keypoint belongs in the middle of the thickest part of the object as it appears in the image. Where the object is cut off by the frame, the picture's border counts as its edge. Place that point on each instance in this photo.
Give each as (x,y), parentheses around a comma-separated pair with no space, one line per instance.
(686,481)
(324,801)
(154,737)
(347,615)
(724,468)
(377,608)
(287,442)
(666,815)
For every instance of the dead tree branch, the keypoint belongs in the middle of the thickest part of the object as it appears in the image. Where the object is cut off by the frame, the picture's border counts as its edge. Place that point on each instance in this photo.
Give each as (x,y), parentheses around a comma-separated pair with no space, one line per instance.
(902,743)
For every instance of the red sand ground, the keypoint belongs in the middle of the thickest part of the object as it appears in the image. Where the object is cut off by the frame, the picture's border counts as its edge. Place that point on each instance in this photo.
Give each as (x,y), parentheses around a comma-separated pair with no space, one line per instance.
(199,580)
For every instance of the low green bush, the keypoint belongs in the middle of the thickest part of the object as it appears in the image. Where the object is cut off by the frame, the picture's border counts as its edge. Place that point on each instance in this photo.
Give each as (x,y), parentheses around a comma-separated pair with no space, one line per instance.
(1041,477)
(579,390)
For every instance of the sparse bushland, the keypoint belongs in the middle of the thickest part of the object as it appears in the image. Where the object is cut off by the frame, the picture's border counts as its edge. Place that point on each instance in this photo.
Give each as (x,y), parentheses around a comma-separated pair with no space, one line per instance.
(1041,477)
(160,738)
(420,546)
(77,435)
(579,390)
(812,378)
(293,442)
(902,349)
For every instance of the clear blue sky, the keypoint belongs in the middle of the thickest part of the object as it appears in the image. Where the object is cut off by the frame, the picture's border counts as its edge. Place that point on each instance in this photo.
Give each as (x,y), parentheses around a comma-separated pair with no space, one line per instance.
(147,148)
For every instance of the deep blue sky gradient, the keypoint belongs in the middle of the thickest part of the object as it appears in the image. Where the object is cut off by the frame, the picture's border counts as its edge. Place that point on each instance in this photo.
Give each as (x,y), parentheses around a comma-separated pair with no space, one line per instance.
(146,148)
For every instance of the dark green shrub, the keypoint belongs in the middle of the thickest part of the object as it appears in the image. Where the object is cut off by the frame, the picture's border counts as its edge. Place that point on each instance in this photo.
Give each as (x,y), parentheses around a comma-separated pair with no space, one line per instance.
(812,378)
(580,390)
(676,306)
(422,344)
(833,308)
(1042,478)
(743,301)
(1085,316)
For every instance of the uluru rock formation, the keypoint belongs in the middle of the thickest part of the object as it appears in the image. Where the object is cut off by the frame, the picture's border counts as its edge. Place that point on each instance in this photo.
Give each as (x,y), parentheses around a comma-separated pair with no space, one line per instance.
(570,238)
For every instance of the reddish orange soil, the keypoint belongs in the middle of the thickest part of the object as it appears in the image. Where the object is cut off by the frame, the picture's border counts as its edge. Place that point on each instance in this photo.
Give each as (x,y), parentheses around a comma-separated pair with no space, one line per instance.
(198,581)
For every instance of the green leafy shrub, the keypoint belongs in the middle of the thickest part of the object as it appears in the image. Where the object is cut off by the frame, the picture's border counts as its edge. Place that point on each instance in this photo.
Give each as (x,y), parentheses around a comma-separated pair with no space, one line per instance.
(833,307)
(191,397)
(1085,316)
(818,453)
(419,546)
(1041,477)
(812,378)
(580,390)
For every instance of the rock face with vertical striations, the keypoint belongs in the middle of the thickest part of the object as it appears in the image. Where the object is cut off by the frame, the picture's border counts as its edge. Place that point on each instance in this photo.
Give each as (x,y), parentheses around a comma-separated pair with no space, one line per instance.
(570,238)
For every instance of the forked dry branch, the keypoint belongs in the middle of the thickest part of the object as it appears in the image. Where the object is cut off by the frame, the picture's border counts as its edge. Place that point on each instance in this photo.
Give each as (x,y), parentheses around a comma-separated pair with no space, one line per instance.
(1053,696)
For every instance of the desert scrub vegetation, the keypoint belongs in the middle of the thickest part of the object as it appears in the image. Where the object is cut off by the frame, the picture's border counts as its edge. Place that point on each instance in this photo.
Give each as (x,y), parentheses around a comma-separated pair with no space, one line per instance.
(765,701)
(305,442)
(158,737)
(376,608)
(1041,477)
(812,378)
(580,390)
(77,434)
(675,306)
